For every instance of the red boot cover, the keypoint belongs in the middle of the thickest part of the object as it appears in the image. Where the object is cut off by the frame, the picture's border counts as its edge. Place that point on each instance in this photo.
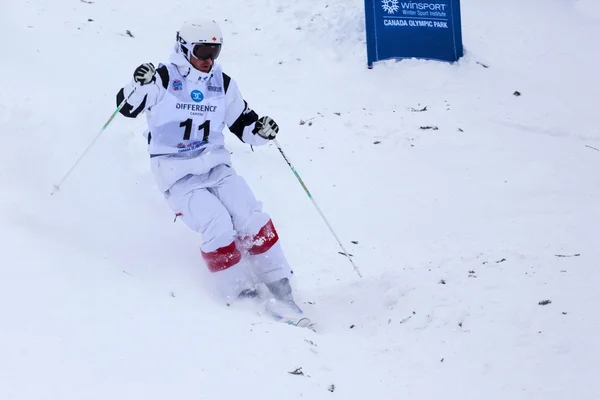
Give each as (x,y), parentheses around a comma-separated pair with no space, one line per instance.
(222,258)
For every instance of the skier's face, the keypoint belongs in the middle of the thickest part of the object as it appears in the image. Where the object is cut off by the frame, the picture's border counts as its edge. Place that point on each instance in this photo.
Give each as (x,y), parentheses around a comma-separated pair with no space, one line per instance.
(203,55)
(201,65)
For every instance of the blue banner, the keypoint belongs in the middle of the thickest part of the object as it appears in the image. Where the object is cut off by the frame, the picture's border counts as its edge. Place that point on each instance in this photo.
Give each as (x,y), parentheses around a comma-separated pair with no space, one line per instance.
(409,29)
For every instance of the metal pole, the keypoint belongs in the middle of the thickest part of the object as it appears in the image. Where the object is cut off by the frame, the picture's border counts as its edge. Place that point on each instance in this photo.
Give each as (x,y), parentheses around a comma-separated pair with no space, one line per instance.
(316,206)
(57,186)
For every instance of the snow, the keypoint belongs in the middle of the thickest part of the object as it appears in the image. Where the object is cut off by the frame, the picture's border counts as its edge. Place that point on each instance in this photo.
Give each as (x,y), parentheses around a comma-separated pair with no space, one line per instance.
(461,231)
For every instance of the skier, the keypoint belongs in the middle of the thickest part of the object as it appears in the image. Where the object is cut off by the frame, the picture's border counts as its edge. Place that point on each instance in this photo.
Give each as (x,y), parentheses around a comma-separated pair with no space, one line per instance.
(187,102)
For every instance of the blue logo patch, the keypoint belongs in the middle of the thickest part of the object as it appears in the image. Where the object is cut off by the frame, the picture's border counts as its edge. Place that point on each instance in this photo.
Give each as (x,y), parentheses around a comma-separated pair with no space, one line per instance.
(177,85)
(197,96)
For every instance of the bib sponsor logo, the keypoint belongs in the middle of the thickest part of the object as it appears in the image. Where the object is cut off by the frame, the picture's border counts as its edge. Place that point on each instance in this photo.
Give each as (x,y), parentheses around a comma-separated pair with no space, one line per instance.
(216,89)
(197,96)
(177,85)
(196,107)
(183,147)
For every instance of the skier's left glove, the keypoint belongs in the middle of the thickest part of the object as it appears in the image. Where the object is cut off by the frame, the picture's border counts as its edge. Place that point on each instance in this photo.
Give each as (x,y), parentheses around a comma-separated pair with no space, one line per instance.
(266,128)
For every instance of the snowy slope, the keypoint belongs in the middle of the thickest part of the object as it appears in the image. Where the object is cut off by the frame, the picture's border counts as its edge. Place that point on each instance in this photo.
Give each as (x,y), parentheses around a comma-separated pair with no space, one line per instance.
(460,231)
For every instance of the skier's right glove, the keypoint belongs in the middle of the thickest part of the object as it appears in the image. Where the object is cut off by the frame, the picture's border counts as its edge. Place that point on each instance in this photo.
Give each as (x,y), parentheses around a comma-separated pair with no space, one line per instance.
(144,74)
(266,128)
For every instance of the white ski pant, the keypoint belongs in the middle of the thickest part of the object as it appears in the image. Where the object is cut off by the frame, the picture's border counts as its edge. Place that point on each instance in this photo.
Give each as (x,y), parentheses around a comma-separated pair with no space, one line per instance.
(239,241)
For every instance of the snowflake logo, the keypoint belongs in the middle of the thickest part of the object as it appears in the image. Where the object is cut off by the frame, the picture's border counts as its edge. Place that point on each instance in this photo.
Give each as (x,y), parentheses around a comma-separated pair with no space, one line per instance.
(390,6)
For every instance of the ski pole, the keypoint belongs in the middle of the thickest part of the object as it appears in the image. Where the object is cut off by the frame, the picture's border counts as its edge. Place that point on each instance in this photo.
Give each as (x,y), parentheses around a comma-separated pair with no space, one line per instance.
(316,206)
(57,187)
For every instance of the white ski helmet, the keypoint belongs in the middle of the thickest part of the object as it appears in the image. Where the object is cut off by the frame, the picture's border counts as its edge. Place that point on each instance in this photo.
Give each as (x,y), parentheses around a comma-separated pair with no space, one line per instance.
(201,38)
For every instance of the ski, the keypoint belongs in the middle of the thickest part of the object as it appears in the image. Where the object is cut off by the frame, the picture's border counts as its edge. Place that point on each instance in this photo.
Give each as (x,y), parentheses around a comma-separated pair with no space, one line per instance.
(286,311)
(299,321)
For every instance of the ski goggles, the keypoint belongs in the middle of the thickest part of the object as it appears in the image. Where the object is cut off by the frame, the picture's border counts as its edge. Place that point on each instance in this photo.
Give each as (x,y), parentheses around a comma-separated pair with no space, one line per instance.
(204,51)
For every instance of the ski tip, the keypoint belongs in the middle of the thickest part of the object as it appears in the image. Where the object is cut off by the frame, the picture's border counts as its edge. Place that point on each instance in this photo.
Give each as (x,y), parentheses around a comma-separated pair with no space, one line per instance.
(307,323)
(303,323)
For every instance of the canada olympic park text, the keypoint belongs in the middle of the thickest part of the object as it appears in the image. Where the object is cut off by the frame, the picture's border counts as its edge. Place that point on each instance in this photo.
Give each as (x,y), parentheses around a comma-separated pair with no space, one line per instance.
(416,23)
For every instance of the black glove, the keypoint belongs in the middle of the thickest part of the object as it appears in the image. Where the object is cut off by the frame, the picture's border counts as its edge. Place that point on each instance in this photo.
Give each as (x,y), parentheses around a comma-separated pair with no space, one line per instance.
(144,74)
(266,128)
